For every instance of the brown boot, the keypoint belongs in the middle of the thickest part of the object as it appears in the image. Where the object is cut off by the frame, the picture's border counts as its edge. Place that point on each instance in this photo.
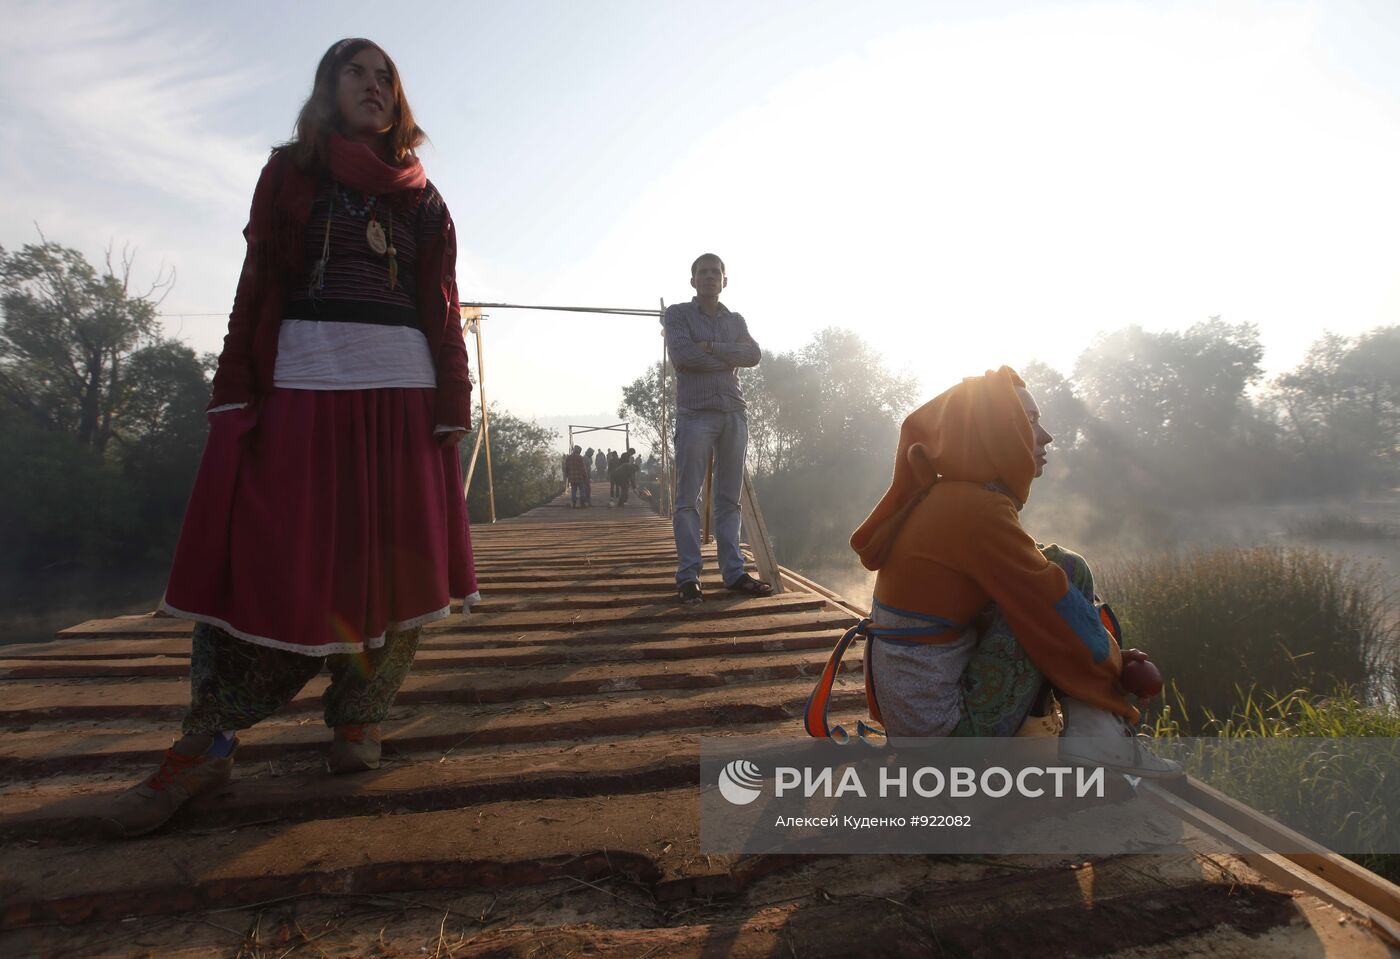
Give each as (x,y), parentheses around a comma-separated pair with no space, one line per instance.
(356,748)
(185,772)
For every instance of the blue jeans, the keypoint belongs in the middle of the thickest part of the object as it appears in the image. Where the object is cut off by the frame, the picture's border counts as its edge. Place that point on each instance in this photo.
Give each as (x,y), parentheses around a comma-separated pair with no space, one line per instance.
(697,433)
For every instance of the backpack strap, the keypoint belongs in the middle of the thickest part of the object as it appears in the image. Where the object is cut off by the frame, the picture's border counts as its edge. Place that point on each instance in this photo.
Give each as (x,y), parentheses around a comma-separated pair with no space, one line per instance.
(814,717)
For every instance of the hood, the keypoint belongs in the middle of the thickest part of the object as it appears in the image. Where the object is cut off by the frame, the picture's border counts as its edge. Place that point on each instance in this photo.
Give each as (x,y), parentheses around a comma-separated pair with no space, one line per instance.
(976,432)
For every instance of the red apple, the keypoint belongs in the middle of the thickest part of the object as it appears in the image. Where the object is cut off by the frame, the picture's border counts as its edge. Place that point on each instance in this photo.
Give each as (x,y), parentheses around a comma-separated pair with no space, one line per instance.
(1141,678)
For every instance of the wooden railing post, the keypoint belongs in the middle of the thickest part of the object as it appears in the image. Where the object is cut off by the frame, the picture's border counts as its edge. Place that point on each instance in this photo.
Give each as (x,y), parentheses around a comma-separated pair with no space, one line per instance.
(762,546)
(666,485)
(485,418)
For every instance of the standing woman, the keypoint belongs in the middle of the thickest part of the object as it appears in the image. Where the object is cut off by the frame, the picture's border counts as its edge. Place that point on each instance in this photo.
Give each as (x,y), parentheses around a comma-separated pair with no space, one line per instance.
(327,523)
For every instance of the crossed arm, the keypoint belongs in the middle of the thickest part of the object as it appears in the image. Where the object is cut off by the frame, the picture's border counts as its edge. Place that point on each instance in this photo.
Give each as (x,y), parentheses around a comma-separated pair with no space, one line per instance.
(713,357)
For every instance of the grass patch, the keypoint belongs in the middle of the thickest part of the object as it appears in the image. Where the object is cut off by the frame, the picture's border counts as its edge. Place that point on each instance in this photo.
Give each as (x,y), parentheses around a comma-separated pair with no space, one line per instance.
(1328,766)
(1245,638)
(1269,620)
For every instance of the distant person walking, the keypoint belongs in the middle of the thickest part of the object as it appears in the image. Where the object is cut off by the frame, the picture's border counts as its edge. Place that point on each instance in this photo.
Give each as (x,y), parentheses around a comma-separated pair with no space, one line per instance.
(600,464)
(707,343)
(327,523)
(624,475)
(576,472)
(612,483)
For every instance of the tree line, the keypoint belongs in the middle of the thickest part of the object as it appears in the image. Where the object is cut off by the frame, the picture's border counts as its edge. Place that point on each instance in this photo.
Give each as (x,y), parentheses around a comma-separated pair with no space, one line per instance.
(1145,423)
(102,425)
(101,417)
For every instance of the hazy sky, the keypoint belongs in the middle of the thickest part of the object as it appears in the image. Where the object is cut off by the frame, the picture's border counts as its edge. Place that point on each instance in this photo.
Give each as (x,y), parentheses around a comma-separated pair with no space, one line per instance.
(965,184)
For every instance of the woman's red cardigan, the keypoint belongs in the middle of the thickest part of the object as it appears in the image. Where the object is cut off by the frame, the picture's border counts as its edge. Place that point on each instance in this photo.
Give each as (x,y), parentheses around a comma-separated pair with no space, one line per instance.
(276,259)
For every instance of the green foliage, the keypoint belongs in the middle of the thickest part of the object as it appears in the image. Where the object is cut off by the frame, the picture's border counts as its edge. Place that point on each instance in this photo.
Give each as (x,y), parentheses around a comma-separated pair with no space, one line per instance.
(1334,790)
(68,335)
(1060,408)
(1154,423)
(1341,408)
(832,402)
(642,407)
(1271,620)
(1170,388)
(101,419)
(60,504)
(823,426)
(526,470)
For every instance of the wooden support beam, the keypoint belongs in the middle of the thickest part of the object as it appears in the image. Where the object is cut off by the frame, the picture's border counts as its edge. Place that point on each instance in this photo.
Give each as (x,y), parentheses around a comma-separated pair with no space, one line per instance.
(1283,869)
(759,542)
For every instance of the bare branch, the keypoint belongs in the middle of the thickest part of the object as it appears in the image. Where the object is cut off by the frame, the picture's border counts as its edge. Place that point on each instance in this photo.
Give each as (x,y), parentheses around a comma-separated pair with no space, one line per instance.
(161,284)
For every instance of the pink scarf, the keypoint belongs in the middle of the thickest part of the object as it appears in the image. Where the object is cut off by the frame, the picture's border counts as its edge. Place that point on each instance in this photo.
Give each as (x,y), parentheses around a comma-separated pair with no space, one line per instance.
(358,167)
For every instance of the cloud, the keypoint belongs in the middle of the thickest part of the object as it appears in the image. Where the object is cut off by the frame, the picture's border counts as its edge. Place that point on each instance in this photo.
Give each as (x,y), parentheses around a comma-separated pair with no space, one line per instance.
(122,93)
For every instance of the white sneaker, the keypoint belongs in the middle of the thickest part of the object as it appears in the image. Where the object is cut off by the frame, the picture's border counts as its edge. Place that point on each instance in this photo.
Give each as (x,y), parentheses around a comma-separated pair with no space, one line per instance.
(1097,737)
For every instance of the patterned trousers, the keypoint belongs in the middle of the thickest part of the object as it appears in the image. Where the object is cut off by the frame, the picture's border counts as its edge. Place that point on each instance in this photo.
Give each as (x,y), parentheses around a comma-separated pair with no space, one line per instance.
(1001,685)
(234,685)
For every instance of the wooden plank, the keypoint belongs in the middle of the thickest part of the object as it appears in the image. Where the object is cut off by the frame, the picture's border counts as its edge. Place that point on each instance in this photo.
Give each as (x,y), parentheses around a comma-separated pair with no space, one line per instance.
(647,838)
(168,698)
(438,659)
(45,749)
(1340,872)
(516,655)
(593,699)
(446,636)
(1277,867)
(720,606)
(469,776)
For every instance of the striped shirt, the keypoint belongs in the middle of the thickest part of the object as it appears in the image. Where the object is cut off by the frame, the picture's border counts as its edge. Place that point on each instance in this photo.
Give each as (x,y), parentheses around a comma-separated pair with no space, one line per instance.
(708,381)
(355,332)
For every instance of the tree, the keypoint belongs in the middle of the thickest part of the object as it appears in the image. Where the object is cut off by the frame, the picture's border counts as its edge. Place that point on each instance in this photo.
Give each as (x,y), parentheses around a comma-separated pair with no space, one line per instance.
(61,508)
(818,418)
(833,400)
(1170,389)
(68,333)
(1061,410)
(162,437)
(1341,407)
(524,465)
(642,407)
(779,393)
(101,419)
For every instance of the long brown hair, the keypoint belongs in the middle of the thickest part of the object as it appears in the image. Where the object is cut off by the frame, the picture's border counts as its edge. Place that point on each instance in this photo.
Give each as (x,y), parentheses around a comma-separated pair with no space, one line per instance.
(319,116)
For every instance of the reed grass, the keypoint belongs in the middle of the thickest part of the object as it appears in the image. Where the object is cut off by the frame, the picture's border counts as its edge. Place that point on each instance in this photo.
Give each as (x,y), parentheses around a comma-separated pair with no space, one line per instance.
(1274,621)
(1326,765)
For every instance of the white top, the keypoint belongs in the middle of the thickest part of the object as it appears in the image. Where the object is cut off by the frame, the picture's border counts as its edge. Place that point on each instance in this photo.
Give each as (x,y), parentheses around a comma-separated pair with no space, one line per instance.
(327,355)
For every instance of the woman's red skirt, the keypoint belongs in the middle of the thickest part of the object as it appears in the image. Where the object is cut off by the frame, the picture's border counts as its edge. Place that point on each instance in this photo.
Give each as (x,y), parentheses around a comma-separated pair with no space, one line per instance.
(320,520)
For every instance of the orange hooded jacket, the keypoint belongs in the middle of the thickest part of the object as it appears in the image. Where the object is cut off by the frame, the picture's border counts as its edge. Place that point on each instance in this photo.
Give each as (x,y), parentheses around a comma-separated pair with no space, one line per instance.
(944,543)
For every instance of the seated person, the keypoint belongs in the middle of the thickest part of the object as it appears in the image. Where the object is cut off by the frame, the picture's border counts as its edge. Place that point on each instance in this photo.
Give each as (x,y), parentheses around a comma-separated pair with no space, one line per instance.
(985,622)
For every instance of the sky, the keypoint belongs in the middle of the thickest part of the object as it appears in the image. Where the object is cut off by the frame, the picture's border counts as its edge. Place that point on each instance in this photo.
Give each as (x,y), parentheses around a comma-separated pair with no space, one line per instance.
(963,184)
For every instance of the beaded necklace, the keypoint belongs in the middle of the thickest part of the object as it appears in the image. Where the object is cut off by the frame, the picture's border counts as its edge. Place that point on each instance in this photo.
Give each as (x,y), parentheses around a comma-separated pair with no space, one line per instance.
(374,236)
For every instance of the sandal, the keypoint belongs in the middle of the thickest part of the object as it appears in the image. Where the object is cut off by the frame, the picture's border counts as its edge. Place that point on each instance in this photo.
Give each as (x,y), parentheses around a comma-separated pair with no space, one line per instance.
(749,586)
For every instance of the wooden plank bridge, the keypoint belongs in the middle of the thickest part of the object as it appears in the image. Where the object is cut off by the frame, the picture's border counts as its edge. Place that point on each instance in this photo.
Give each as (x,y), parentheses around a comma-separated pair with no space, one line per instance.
(539,797)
